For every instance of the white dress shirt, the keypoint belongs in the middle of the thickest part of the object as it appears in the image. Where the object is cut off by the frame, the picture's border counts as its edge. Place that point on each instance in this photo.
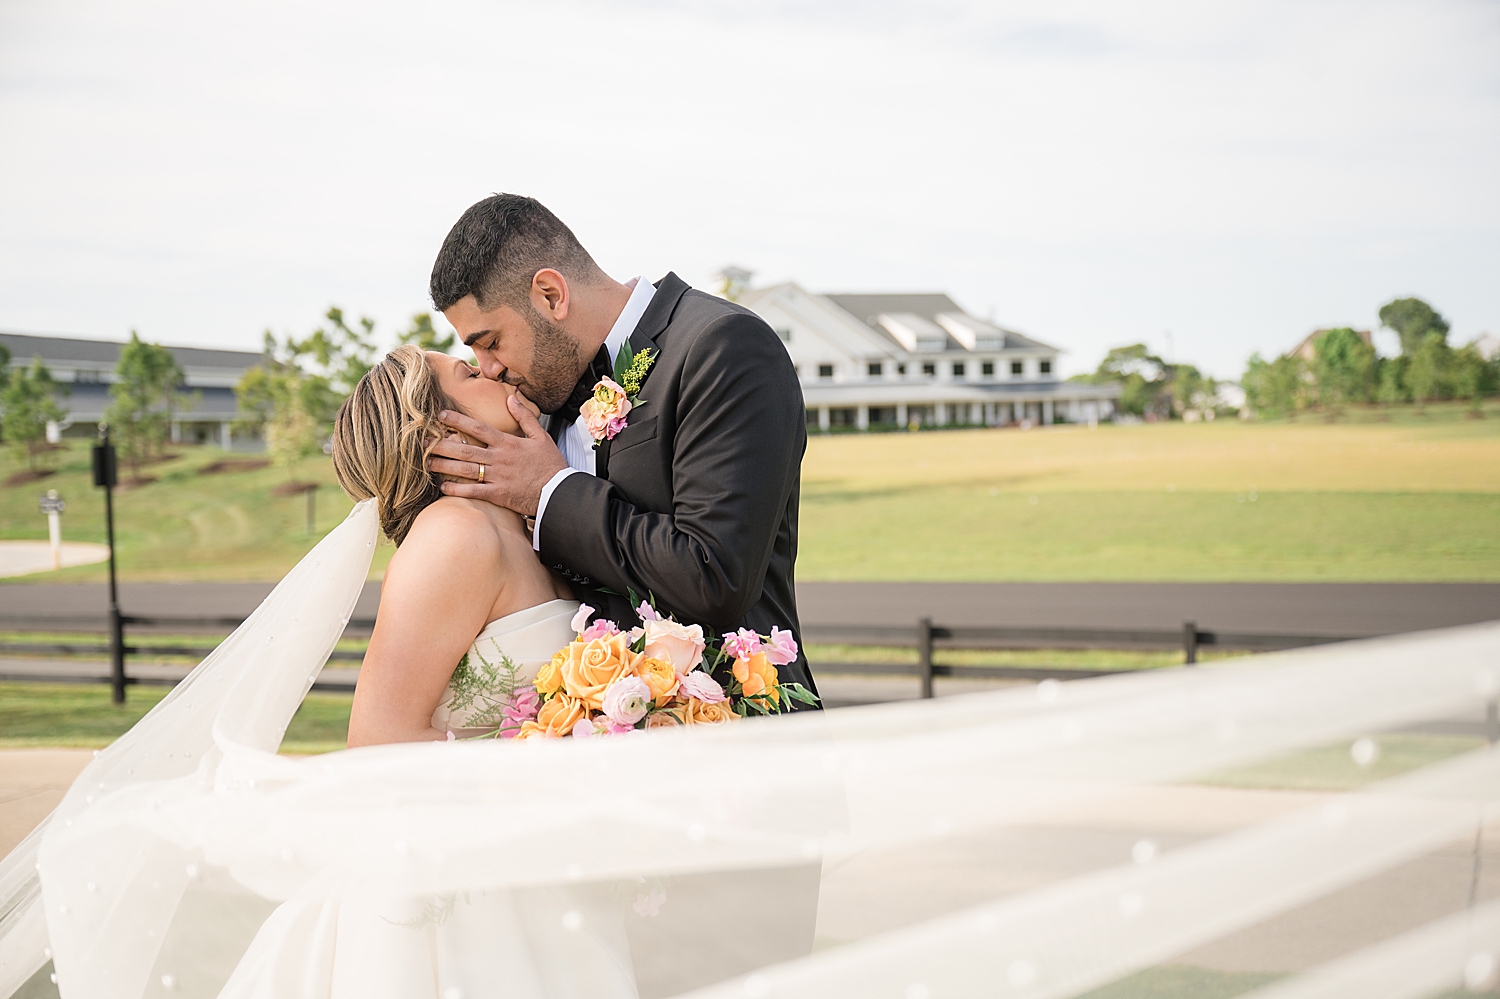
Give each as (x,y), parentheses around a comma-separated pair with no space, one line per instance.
(576,443)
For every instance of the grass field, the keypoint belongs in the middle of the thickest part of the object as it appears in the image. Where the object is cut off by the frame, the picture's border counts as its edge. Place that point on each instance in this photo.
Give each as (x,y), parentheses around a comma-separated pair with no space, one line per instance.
(1415,497)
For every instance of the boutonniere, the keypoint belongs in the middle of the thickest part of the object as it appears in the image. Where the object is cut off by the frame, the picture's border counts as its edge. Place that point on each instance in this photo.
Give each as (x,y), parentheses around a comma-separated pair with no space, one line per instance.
(606,411)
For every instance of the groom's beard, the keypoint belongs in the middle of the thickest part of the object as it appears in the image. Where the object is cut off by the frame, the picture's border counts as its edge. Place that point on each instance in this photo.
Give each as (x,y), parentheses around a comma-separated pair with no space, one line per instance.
(555,364)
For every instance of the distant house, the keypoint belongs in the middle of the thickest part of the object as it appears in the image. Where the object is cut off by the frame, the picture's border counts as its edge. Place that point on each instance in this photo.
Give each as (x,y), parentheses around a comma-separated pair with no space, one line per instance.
(88,368)
(897,359)
(1306,351)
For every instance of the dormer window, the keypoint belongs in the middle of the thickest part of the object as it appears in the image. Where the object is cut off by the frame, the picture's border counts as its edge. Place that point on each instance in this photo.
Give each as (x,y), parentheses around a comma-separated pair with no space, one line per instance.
(929,368)
(875,369)
(987,369)
(958,369)
(1045,367)
(1017,367)
(825,371)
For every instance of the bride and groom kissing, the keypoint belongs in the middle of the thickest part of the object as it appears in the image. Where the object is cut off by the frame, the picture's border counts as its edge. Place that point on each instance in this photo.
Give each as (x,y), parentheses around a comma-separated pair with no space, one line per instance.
(685,488)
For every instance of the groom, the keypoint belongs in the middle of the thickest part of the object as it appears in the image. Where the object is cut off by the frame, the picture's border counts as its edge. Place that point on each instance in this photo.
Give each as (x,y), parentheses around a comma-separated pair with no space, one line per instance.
(694,501)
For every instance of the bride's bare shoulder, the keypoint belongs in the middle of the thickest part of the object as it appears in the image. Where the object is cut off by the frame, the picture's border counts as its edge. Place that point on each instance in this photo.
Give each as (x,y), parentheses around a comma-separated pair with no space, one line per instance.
(452,533)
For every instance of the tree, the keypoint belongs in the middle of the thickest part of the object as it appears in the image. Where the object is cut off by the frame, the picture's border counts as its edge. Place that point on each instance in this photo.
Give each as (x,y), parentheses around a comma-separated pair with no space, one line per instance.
(1343,368)
(1275,388)
(28,397)
(1190,389)
(1428,371)
(1471,377)
(1412,319)
(423,335)
(144,394)
(1392,381)
(1143,378)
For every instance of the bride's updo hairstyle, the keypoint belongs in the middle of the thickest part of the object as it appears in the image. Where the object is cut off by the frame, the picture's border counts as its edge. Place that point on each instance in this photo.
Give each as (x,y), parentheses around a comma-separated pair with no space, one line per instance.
(382,435)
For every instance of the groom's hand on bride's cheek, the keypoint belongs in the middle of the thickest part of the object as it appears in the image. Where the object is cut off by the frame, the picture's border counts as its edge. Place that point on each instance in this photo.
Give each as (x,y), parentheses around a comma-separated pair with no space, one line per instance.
(515,468)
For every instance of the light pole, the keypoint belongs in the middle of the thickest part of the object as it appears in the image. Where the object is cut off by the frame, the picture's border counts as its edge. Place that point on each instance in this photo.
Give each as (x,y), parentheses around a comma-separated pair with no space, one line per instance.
(105,475)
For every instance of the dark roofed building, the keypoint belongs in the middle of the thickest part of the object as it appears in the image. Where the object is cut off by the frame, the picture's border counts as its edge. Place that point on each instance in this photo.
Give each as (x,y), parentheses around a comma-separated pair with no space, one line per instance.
(87,366)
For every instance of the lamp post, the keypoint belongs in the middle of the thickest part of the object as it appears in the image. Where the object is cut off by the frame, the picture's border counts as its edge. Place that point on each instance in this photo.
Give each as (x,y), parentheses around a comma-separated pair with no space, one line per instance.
(105,475)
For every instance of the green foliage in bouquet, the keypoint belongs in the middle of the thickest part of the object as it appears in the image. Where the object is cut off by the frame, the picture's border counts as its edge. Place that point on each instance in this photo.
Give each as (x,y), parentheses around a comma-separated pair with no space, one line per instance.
(487,690)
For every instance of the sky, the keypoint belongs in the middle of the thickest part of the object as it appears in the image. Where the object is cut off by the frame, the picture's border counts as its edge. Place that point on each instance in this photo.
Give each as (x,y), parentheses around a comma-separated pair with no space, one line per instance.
(1211,179)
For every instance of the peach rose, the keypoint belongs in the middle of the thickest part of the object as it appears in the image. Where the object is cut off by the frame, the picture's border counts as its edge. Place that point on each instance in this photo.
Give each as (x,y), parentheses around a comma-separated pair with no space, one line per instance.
(696,712)
(549,678)
(605,411)
(679,644)
(659,676)
(757,676)
(558,716)
(670,718)
(590,667)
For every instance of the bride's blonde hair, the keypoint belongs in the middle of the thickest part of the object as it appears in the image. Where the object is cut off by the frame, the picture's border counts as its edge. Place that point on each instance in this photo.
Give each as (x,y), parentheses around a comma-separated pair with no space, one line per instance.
(382,436)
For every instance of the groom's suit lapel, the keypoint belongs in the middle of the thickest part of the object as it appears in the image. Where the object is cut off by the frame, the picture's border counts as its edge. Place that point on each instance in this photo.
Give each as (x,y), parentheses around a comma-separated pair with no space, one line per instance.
(654,321)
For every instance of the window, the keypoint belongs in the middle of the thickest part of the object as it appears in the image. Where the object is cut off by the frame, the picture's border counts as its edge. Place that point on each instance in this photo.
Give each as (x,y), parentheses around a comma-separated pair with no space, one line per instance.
(825,371)
(929,368)
(875,369)
(901,369)
(882,416)
(811,418)
(1045,367)
(1016,368)
(86,376)
(987,368)
(958,369)
(843,417)
(785,332)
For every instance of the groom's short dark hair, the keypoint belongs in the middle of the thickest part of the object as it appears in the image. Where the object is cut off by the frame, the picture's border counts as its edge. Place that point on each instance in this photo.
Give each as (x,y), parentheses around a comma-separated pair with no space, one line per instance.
(497,246)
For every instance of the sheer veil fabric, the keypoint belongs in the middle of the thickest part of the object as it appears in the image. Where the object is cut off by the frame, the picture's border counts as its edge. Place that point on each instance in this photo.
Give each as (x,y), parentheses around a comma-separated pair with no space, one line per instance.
(615,866)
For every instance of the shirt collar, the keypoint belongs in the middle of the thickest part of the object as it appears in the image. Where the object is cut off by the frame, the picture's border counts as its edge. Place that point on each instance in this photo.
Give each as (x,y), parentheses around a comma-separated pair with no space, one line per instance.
(630,317)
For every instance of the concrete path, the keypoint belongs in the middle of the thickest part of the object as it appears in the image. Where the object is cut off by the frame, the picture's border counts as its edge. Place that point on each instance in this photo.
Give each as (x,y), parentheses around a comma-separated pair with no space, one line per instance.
(1345,609)
(32,782)
(23,558)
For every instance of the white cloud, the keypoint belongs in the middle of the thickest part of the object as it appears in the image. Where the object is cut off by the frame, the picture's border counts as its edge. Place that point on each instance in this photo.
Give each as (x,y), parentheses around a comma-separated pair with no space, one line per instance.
(1096,173)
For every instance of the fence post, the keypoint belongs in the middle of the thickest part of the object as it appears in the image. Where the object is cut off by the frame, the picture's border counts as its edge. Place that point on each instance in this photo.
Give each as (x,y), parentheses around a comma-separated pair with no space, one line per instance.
(924,655)
(1190,642)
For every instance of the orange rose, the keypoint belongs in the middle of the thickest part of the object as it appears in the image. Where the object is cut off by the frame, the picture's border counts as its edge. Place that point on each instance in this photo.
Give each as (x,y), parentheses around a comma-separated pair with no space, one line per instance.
(757,676)
(549,677)
(558,716)
(670,718)
(660,676)
(531,730)
(697,712)
(590,667)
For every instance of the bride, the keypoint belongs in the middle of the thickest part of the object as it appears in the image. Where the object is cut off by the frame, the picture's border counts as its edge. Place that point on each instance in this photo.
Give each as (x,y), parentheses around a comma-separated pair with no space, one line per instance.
(464,579)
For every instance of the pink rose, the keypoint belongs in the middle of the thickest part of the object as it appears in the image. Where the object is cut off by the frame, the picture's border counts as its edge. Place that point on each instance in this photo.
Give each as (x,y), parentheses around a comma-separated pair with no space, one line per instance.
(599,629)
(782,648)
(679,644)
(627,700)
(646,612)
(742,644)
(583,728)
(701,686)
(581,619)
(605,411)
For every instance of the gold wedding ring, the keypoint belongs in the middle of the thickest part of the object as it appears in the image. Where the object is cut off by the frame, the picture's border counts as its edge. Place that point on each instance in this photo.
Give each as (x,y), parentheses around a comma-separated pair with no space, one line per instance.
(481,474)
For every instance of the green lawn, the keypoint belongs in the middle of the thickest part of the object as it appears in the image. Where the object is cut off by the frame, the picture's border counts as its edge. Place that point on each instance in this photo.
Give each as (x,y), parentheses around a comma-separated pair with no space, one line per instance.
(67,714)
(1414,497)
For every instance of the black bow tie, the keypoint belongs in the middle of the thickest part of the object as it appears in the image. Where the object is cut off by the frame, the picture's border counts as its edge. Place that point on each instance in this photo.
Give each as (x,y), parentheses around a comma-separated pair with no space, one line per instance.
(599,367)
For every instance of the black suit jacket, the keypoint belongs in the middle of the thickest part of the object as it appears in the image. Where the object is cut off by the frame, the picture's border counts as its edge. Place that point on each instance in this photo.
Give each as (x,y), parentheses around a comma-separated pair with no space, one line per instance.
(695,501)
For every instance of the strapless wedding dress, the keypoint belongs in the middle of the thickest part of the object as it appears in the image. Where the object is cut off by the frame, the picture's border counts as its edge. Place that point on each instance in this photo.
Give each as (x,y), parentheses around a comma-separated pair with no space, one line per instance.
(527,638)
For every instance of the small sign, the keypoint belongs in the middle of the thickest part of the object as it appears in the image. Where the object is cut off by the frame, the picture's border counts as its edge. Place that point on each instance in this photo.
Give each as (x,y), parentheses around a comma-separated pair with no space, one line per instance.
(52,503)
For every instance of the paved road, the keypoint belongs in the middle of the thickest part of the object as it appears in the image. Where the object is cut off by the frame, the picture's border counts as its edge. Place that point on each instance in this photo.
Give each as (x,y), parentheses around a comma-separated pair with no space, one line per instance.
(1352,609)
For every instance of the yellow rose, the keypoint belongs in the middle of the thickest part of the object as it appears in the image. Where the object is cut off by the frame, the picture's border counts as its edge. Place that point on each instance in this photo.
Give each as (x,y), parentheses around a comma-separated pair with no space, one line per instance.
(697,712)
(558,716)
(660,676)
(756,676)
(531,730)
(670,718)
(549,677)
(590,667)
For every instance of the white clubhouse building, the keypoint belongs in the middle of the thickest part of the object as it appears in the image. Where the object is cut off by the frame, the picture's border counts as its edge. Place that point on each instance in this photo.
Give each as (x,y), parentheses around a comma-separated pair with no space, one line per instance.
(895,360)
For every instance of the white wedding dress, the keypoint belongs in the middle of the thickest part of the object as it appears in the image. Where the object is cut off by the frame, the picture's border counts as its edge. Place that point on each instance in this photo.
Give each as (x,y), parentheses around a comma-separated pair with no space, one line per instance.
(190,860)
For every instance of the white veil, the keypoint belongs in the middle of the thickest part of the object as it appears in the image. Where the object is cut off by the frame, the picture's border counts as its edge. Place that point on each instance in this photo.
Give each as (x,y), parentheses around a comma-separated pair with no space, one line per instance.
(922,817)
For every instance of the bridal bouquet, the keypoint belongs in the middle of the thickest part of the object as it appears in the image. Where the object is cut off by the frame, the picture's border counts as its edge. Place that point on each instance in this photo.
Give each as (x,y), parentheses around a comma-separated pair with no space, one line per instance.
(609,682)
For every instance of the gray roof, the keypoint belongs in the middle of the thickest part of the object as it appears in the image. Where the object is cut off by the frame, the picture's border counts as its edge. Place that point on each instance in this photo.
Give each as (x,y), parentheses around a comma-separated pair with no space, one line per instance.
(928,305)
(24,346)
